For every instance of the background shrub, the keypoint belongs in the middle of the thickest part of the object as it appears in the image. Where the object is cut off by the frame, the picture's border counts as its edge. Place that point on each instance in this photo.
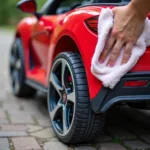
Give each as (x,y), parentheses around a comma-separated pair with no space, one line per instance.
(9,14)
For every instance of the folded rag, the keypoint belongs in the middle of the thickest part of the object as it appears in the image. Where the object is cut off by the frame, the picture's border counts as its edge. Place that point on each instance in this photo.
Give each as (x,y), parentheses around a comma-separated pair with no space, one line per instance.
(110,76)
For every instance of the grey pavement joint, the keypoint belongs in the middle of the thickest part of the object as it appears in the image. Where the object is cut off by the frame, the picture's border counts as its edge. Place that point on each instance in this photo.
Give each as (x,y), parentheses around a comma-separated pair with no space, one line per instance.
(33,128)
(45,133)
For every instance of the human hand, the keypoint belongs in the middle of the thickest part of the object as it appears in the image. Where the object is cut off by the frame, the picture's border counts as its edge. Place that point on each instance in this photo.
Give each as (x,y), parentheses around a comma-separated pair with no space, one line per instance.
(128,26)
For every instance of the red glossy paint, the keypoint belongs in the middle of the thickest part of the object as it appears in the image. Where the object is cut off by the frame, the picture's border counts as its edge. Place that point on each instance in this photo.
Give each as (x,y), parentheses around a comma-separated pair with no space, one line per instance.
(53,34)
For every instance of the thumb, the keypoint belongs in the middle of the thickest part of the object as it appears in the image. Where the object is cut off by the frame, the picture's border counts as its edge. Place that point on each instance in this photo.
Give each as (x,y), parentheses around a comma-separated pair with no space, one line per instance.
(114,10)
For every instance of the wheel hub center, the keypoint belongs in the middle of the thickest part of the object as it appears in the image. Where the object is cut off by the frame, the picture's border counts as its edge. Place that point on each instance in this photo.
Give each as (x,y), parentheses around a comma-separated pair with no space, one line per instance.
(64,98)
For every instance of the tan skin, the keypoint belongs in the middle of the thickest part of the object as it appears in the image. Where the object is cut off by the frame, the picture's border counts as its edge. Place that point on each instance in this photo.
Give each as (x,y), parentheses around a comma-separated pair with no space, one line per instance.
(128,26)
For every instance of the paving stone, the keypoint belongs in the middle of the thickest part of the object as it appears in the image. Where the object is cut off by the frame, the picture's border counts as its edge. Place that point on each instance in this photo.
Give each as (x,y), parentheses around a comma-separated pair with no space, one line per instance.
(2,95)
(3,121)
(11,106)
(42,116)
(84,148)
(145,137)
(135,145)
(22,119)
(2,115)
(30,107)
(55,146)
(10,101)
(111,146)
(45,133)
(13,112)
(53,139)
(20,112)
(33,128)
(13,128)
(41,141)
(4,144)
(12,133)
(25,143)
(44,122)
(121,134)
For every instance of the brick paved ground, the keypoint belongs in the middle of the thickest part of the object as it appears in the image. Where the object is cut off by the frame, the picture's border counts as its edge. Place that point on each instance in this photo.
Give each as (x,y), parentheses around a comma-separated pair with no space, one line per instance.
(24,123)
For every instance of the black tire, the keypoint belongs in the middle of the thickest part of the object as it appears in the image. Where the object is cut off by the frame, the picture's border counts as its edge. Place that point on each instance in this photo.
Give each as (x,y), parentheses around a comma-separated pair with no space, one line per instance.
(17,55)
(86,125)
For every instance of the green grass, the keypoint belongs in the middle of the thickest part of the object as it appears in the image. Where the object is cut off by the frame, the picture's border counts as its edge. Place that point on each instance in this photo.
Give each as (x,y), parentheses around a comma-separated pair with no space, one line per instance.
(116,140)
(7,116)
(11,144)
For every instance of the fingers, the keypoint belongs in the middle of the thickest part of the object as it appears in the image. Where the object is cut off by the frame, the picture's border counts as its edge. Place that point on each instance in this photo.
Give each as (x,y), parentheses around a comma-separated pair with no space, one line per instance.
(127,52)
(115,52)
(108,46)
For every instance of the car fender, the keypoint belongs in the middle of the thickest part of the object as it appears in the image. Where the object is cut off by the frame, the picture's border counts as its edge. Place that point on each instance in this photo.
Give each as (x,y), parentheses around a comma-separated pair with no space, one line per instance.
(24,31)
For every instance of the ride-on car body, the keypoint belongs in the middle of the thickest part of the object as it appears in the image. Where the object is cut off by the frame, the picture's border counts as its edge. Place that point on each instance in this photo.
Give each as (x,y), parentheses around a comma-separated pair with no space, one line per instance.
(52,52)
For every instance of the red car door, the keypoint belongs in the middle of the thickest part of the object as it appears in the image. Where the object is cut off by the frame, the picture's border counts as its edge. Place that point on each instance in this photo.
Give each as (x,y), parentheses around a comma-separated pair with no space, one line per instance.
(40,42)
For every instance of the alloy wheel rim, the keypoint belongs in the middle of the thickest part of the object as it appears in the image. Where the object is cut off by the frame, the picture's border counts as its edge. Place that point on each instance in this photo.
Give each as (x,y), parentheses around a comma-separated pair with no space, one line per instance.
(15,66)
(61,97)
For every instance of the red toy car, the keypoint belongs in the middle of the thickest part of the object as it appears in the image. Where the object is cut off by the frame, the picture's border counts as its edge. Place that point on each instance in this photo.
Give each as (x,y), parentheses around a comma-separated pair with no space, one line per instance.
(52,52)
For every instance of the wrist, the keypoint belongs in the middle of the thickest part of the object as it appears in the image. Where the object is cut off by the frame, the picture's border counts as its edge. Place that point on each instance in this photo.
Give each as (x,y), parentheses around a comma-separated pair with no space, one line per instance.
(136,8)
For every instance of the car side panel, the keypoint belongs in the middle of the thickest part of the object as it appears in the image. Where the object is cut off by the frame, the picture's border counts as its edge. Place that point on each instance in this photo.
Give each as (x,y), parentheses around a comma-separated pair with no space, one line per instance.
(70,24)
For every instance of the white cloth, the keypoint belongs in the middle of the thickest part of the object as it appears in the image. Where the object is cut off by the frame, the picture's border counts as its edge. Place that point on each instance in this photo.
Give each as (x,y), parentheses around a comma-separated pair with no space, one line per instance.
(110,76)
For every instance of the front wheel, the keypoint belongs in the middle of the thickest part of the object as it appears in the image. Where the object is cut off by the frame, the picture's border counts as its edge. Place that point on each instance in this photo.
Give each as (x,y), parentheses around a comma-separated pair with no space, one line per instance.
(68,101)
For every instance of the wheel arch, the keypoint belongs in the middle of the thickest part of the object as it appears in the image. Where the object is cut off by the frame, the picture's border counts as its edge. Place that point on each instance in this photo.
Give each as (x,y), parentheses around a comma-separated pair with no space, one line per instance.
(64,44)
(70,45)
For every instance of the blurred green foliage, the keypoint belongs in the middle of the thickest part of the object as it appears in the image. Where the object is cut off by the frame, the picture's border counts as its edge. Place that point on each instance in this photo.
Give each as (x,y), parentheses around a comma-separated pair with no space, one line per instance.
(9,14)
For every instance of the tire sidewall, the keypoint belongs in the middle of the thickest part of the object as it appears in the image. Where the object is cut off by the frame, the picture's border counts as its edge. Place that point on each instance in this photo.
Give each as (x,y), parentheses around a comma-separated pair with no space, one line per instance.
(21,79)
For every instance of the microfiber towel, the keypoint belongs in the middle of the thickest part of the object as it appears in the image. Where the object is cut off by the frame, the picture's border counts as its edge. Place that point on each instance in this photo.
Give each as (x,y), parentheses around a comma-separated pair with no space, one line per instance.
(110,76)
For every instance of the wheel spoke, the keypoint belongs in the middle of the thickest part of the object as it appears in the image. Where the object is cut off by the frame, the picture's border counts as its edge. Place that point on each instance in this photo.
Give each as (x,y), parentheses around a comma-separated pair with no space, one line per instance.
(55,110)
(14,75)
(12,61)
(18,64)
(64,118)
(16,85)
(15,80)
(54,80)
(71,97)
(14,52)
(63,73)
